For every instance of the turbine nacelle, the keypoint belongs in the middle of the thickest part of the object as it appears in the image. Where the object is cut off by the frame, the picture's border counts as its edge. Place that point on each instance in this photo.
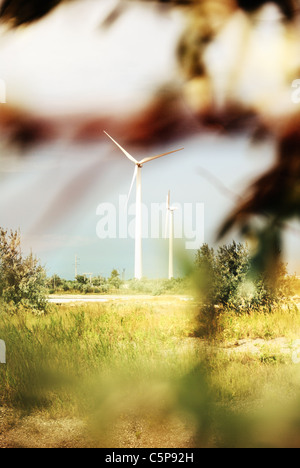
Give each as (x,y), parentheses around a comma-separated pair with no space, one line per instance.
(169,207)
(139,164)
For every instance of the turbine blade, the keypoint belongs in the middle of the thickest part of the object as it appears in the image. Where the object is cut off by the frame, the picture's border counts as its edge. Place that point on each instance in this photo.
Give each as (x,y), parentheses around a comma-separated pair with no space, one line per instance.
(131,186)
(131,158)
(144,161)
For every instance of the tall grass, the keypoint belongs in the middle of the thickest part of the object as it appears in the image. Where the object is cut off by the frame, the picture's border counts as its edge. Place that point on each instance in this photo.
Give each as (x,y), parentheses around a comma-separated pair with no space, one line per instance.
(71,344)
(104,363)
(283,321)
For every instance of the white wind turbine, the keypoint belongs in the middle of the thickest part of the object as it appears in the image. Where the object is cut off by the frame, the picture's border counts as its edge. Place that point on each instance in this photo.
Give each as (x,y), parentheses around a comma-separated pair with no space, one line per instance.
(138,219)
(170,223)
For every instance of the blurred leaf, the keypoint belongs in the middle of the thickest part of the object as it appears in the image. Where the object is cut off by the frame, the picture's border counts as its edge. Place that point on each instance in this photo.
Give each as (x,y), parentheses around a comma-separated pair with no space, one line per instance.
(19,12)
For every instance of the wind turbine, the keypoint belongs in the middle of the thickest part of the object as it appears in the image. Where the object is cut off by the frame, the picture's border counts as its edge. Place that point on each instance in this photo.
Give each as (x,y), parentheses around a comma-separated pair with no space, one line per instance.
(170,214)
(137,175)
(90,276)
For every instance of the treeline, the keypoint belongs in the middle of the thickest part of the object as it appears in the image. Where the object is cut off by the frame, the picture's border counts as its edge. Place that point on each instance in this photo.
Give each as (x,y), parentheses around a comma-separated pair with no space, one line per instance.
(115,285)
(84,284)
(219,278)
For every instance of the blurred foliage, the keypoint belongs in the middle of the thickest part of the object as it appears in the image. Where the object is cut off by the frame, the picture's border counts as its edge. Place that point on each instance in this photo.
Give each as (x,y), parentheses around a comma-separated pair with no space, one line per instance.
(270,203)
(295,285)
(265,208)
(288,7)
(19,12)
(131,362)
(274,197)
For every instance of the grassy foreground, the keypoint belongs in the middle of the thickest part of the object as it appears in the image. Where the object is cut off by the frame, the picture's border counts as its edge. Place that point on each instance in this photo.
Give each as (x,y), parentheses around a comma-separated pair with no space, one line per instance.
(141,364)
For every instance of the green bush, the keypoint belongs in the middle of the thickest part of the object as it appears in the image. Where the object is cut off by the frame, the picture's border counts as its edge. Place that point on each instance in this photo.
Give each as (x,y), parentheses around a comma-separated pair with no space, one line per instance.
(115,280)
(22,279)
(225,278)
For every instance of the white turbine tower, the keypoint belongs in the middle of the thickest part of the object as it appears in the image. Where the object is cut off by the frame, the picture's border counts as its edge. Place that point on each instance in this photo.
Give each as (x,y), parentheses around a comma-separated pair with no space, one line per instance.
(138,218)
(170,223)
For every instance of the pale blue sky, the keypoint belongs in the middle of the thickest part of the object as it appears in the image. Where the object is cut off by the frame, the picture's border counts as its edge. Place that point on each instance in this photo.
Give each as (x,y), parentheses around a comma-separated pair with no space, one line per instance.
(39,186)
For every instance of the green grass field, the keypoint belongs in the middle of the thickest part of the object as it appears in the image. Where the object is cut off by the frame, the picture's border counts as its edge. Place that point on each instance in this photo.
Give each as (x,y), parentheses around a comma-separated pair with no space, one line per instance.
(142,365)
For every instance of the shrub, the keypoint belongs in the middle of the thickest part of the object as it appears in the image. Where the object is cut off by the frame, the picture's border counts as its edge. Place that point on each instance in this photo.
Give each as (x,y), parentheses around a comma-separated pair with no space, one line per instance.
(22,280)
(225,278)
(115,280)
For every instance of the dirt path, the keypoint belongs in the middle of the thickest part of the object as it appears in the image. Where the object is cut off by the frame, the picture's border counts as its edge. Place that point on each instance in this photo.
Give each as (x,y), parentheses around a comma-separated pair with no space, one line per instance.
(96,298)
(38,432)
(258,346)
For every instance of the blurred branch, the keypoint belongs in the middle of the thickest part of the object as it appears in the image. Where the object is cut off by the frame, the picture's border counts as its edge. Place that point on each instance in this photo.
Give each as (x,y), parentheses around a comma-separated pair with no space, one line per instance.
(224,190)
(218,184)
(19,12)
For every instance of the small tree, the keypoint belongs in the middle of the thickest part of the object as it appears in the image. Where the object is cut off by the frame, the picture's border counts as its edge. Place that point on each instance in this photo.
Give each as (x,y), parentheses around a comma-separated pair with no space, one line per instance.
(22,280)
(55,283)
(115,280)
(232,266)
(226,278)
(206,268)
(81,279)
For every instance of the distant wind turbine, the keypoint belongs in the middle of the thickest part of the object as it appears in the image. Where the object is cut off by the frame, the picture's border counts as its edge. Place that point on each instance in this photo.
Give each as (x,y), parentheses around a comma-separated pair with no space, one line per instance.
(90,276)
(170,224)
(137,175)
